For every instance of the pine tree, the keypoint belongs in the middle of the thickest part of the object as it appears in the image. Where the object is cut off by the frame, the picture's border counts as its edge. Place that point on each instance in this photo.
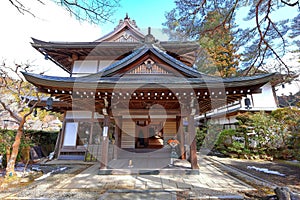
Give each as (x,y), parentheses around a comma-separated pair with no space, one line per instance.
(259,38)
(217,41)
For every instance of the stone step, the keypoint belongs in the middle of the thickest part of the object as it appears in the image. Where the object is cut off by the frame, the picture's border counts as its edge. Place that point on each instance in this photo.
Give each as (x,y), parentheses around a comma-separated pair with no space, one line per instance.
(144,153)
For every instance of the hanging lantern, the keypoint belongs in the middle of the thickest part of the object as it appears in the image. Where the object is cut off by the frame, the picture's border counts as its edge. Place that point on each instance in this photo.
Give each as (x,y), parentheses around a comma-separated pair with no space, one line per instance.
(247,103)
(49,103)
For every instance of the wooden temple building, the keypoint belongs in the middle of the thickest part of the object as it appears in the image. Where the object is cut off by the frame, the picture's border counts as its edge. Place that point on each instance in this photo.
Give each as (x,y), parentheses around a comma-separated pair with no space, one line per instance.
(130,93)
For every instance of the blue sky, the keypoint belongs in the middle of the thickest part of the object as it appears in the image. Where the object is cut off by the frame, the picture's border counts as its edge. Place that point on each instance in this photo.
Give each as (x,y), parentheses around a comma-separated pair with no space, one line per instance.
(145,12)
(151,13)
(58,25)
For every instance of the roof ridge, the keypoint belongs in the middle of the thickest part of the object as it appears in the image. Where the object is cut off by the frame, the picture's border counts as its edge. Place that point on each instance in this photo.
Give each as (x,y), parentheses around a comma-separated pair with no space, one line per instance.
(122,24)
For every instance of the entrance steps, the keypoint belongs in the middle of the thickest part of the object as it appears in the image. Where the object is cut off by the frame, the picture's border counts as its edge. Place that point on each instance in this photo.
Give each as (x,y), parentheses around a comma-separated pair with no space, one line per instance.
(144,153)
(147,161)
(148,166)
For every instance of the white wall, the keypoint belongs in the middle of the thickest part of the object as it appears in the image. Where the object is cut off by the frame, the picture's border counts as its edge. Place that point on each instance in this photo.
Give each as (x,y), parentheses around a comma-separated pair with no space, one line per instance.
(78,115)
(223,120)
(264,100)
(86,67)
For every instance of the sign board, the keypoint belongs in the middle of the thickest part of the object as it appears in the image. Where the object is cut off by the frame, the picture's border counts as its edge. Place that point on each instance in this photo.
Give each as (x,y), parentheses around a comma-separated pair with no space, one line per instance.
(105,131)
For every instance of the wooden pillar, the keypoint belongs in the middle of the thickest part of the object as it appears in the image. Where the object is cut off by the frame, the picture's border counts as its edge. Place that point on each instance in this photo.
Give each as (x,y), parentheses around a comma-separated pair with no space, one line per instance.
(118,133)
(105,142)
(193,146)
(181,138)
(61,135)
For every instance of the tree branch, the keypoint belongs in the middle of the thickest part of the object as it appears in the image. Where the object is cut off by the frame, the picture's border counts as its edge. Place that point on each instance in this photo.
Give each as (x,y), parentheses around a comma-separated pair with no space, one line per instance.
(11,113)
(94,10)
(260,41)
(20,7)
(262,36)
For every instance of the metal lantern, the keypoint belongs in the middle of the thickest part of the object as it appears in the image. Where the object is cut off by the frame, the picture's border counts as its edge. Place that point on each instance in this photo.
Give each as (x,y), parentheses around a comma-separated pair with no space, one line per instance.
(49,103)
(247,103)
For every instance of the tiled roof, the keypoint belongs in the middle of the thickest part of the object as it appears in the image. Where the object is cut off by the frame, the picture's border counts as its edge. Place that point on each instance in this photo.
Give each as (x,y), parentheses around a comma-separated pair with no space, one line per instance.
(170,81)
(176,64)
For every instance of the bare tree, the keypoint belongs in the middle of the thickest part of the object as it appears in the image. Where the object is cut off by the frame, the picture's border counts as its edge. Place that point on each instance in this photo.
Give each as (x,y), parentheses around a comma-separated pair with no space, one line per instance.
(264,39)
(14,93)
(94,11)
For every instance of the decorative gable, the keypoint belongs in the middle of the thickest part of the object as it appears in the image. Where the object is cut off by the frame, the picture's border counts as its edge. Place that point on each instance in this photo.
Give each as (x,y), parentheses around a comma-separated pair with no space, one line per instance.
(126,31)
(149,60)
(148,67)
(126,36)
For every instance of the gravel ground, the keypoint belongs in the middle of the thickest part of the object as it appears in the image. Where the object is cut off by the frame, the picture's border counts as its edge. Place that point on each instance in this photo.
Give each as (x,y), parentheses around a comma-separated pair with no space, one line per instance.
(291,171)
(43,189)
(290,179)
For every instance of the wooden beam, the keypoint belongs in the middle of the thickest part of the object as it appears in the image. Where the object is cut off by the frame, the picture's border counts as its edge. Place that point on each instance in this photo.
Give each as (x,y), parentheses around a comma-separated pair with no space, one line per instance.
(146,111)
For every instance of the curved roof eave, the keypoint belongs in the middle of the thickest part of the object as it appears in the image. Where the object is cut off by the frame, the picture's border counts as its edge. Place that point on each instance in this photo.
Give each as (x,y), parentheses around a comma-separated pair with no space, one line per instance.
(69,45)
(172,82)
(177,64)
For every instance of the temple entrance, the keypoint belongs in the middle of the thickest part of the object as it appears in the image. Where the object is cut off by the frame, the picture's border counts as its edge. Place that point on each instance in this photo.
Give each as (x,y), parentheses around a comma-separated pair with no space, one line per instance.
(149,136)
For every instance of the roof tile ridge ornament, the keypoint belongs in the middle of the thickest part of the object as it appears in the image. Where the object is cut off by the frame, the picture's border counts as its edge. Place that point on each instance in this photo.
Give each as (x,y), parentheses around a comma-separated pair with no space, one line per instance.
(126,17)
(129,21)
(149,38)
(124,24)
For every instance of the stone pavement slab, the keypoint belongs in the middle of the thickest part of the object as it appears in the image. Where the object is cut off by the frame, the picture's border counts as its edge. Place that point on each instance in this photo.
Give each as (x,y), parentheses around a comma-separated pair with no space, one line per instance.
(139,195)
(84,182)
(210,182)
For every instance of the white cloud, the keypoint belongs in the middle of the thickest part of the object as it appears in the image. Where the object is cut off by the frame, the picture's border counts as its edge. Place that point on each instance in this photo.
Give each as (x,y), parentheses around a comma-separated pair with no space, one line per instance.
(52,23)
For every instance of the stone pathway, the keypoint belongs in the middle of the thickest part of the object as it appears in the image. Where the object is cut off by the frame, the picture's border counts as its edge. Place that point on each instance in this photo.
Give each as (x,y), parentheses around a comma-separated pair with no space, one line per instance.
(80,182)
(210,183)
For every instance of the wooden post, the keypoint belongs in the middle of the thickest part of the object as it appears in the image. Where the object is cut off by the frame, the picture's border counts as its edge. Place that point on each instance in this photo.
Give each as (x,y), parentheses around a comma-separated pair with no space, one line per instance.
(193,146)
(117,144)
(105,141)
(61,135)
(92,129)
(180,134)
(120,133)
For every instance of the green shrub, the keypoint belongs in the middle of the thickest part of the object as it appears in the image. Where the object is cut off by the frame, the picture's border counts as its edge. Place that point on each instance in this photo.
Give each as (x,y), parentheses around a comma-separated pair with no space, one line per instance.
(236,147)
(200,136)
(225,138)
(277,134)
(29,138)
